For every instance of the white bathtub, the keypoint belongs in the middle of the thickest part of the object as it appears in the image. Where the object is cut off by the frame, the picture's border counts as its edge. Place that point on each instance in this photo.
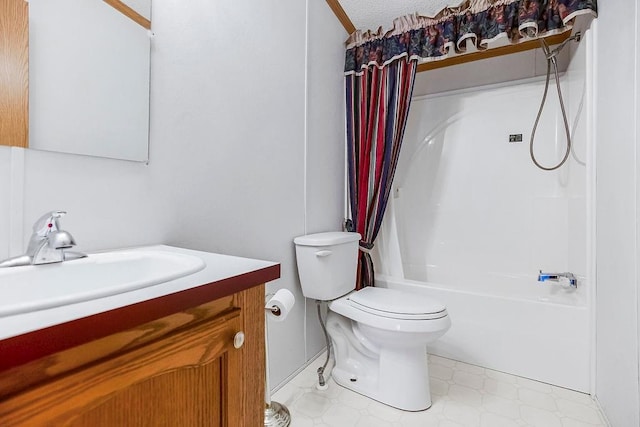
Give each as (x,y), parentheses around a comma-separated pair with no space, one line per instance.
(540,331)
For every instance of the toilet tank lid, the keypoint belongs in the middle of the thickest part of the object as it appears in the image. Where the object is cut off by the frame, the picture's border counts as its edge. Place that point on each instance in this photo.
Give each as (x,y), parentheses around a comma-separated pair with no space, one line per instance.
(327,238)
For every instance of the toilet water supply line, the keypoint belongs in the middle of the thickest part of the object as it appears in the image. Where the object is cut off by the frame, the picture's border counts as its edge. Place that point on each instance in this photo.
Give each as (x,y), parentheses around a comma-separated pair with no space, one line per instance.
(551,59)
(322,383)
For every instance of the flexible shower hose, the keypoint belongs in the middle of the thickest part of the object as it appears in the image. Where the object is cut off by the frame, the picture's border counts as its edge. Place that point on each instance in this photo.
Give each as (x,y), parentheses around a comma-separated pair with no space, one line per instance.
(551,58)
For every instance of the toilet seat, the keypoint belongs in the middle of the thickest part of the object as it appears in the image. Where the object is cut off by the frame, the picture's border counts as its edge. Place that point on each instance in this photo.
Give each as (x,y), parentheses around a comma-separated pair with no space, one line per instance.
(383,308)
(397,304)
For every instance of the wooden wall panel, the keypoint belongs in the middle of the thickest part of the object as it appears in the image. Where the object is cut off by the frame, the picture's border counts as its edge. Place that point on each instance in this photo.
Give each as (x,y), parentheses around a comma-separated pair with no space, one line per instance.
(14,73)
(129,13)
(342,16)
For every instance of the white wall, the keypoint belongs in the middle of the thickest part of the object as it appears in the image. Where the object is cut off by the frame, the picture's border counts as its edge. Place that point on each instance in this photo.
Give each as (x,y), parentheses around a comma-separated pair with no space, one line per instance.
(5,206)
(616,112)
(232,167)
(325,137)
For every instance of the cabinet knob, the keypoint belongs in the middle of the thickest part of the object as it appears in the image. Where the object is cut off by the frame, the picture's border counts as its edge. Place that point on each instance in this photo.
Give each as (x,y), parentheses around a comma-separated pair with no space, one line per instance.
(238,339)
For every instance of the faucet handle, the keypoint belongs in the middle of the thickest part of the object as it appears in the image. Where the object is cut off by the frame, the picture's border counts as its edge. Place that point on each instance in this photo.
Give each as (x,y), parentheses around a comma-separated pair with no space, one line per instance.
(48,223)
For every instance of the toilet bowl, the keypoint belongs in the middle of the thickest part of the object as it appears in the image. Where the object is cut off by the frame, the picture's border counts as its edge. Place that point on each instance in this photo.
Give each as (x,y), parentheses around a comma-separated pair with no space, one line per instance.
(378,335)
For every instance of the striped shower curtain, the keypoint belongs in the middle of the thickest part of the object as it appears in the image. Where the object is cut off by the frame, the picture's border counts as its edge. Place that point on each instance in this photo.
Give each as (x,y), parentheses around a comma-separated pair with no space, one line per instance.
(378,100)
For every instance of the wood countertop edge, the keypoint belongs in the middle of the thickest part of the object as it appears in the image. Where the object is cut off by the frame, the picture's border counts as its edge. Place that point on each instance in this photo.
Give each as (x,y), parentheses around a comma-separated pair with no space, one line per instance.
(21,349)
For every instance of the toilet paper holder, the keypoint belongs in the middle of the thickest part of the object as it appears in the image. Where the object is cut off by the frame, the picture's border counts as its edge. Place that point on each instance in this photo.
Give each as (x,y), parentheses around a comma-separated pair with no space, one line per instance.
(274,310)
(278,308)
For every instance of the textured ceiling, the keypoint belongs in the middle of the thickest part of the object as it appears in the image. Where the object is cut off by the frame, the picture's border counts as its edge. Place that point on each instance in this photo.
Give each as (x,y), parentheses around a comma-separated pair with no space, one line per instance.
(371,14)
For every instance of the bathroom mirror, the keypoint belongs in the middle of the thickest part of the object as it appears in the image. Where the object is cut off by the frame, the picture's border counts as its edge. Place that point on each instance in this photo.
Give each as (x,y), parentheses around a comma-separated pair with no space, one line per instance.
(89,69)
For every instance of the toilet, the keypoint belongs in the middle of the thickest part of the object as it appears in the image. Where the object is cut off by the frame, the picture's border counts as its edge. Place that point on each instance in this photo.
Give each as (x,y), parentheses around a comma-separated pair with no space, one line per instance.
(378,335)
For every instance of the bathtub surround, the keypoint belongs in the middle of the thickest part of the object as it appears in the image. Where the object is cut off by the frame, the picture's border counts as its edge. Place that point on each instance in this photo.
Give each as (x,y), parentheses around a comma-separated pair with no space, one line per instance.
(473,221)
(232,169)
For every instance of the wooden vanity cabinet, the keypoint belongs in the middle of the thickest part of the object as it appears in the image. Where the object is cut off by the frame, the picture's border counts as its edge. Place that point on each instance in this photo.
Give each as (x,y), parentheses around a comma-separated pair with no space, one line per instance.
(179,370)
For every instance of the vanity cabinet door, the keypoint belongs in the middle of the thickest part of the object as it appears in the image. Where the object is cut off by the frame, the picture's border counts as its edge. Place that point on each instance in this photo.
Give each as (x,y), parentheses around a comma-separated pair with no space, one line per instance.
(192,377)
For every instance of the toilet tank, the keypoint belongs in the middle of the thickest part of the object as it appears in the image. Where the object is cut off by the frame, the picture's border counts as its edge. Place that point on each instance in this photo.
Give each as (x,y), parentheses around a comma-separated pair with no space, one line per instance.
(327,264)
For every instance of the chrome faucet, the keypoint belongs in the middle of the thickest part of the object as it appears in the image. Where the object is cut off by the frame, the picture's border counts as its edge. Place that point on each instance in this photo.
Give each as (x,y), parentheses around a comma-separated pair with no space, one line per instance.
(556,277)
(48,244)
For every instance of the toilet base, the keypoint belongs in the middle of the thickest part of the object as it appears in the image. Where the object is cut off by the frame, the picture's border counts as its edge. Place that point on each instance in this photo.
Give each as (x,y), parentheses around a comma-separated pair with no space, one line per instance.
(408,393)
(397,377)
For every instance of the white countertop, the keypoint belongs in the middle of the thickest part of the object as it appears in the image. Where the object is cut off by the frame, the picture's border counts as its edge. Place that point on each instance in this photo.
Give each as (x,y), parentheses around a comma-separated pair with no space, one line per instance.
(218,267)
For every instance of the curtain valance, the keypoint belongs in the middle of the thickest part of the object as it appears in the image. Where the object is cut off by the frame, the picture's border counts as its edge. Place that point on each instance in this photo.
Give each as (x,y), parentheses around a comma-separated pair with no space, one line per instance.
(484,23)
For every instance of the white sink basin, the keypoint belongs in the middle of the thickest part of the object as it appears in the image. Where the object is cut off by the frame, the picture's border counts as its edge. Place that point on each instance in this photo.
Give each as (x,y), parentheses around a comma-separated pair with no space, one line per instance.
(32,288)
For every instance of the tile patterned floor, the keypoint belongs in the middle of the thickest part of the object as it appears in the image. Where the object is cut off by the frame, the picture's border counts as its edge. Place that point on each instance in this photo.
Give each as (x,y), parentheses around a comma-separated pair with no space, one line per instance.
(463,396)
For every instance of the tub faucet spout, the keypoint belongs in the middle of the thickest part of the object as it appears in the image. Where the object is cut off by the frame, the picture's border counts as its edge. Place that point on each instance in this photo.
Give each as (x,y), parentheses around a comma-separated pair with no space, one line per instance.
(557,277)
